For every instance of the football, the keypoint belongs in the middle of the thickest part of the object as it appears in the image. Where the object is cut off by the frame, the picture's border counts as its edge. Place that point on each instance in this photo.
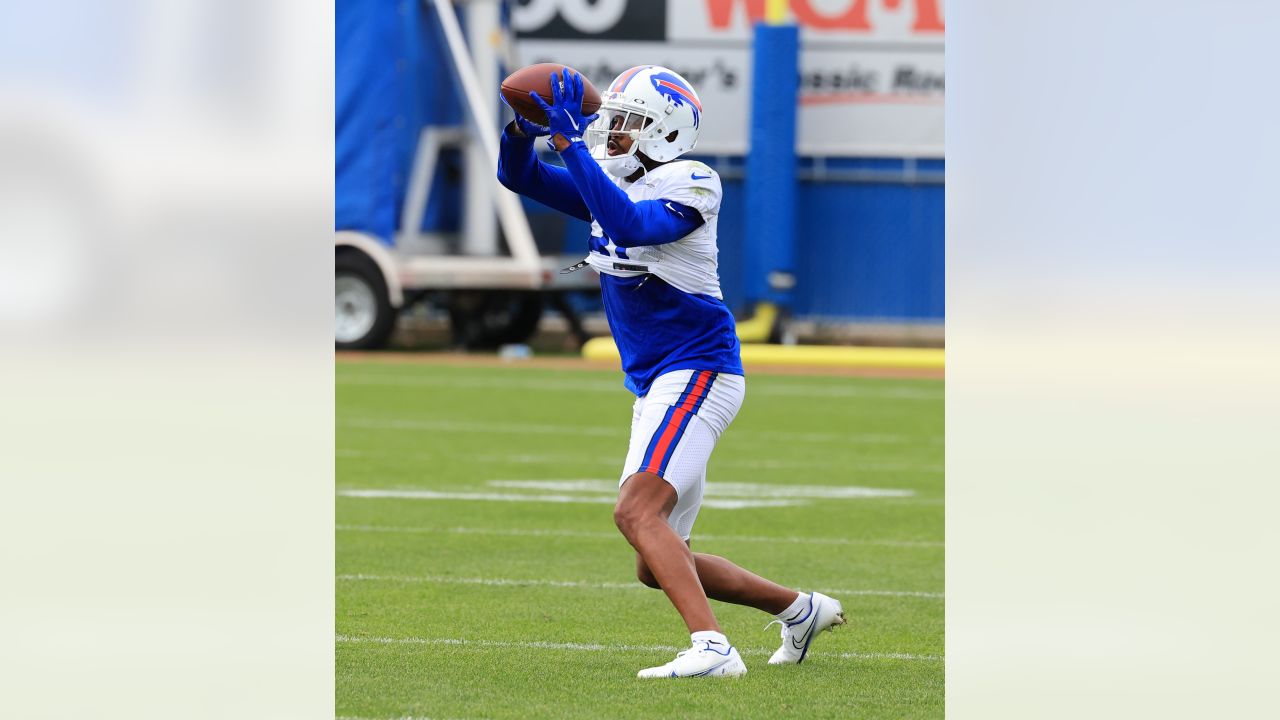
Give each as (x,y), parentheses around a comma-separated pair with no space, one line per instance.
(537,79)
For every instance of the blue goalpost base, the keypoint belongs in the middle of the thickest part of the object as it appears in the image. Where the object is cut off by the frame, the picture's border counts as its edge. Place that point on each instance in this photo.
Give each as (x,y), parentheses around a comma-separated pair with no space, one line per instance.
(769,243)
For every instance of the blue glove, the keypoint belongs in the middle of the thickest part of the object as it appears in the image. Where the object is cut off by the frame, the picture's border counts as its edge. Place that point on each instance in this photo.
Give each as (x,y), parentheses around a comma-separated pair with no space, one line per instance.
(531,129)
(527,128)
(564,114)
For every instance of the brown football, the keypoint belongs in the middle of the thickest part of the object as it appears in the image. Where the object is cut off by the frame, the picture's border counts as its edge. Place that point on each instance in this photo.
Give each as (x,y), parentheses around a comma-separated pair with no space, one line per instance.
(537,78)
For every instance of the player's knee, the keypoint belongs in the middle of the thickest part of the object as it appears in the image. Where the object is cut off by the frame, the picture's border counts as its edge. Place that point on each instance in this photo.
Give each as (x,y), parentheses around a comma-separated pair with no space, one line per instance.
(626,518)
(629,517)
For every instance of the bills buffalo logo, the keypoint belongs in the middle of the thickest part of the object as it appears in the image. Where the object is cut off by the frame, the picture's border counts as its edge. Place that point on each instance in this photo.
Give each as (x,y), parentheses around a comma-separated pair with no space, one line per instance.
(674,89)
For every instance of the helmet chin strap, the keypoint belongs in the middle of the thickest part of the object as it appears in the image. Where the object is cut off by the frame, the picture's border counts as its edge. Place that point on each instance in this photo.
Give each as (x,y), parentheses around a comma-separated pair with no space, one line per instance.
(625,167)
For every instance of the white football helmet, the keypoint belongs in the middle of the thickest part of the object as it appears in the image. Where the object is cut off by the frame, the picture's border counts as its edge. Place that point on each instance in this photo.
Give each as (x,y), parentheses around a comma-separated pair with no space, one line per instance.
(647,102)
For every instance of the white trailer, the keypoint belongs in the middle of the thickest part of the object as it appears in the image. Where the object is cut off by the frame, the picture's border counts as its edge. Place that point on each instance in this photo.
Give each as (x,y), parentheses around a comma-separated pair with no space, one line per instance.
(495,296)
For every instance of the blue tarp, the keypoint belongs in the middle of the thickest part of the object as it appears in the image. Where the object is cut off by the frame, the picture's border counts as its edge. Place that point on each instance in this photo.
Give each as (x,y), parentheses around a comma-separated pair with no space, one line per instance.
(391,77)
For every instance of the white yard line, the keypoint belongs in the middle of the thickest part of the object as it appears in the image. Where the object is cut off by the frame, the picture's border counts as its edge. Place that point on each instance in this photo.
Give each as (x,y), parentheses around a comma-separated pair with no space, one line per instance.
(548,384)
(398,717)
(789,540)
(719,489)
(491,497)
(514,582)
(481,531)
(552,458)
(491,428)
(612,387)
(497,582)
(616,460)
(481,428)
(845,467)
(719,504)
(596,647)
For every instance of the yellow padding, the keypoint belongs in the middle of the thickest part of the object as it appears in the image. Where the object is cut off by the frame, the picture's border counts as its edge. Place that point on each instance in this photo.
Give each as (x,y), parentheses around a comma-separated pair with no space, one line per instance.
(758,328)
(775,12)
(602,348)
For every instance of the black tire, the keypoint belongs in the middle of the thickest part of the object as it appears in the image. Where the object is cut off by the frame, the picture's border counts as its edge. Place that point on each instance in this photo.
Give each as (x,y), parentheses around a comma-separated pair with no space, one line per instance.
(485,320)
(363,316)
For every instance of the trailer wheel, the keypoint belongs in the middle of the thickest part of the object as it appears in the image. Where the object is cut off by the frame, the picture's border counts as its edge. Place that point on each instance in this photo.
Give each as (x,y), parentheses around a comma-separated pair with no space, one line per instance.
(363,316)
(484,320)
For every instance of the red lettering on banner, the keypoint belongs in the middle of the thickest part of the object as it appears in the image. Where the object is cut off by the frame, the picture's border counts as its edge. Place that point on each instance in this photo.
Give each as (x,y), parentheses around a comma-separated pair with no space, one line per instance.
(721,12)
(928,17)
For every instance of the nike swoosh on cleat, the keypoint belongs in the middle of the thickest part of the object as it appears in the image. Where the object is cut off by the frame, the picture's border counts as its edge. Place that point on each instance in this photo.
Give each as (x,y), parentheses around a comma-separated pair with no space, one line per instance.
(804,638)
(714,667)
(808,635)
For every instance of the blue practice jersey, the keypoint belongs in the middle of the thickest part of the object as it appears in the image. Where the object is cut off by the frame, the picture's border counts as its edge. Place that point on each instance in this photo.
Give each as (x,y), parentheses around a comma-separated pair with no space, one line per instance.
(659,328)
(663,301)
(653,242)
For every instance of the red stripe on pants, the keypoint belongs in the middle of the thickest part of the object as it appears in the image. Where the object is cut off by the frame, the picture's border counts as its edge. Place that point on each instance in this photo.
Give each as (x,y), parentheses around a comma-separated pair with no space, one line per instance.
(677,417)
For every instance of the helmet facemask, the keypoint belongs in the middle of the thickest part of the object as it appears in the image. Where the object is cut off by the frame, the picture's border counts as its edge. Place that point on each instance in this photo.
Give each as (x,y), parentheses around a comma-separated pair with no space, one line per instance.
(670,112)
(620,119)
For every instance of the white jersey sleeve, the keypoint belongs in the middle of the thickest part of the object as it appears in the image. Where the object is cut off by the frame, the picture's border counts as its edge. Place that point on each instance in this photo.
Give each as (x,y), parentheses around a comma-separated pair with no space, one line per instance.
(688,264)
(693,184)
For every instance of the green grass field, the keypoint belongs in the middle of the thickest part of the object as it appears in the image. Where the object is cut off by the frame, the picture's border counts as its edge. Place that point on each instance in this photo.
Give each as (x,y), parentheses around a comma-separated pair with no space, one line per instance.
(476,599)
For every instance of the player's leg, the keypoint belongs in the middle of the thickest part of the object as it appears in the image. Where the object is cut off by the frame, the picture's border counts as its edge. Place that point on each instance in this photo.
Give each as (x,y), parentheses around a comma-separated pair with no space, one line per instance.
(801,615)
(644,504)
(676,450)
(722,580)
(657,502)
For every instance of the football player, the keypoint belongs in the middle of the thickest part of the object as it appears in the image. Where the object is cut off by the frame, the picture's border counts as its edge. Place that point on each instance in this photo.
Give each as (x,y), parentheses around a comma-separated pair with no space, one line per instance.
(653,242)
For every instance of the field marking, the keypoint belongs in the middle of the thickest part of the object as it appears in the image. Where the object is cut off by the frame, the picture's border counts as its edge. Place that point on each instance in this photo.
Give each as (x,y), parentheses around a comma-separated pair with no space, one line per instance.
(616,388)
(551,458)
(397,717)
(720,489)
(617,460)
(829,465)
(596,647)
(635,585)
(789,540)
(719,504)
(400,717)
(491,428)
(481,427)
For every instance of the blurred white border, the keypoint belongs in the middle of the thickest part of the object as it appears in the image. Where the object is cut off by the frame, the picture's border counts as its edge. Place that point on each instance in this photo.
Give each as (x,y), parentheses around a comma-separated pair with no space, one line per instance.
(1111,394)
(166,219)
(167,464)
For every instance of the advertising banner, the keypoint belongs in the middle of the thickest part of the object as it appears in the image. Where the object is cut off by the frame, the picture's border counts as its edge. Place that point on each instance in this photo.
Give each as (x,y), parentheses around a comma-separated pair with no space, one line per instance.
(871,71)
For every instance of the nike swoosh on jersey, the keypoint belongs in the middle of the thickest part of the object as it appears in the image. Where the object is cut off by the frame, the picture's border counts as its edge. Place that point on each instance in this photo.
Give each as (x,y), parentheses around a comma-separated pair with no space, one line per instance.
(694,176)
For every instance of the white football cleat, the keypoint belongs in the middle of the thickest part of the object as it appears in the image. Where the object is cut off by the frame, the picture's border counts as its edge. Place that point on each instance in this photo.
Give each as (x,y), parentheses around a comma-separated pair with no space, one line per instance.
(706,658)
(823,613)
